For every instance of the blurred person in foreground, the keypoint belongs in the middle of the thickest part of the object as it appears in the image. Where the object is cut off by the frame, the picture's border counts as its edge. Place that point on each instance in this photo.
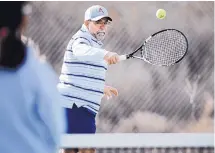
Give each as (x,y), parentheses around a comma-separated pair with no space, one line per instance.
(30,114)
(82,79)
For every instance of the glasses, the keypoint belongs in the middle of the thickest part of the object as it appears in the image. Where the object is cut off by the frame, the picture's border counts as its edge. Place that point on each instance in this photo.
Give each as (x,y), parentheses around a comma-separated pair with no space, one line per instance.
(102,22)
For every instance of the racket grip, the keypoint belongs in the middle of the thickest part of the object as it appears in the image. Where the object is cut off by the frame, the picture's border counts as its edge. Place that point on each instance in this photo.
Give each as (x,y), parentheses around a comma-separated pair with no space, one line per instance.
(122,57)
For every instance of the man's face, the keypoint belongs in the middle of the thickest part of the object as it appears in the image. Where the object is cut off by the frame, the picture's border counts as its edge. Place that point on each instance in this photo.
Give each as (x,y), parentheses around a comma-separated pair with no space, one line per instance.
(99,28)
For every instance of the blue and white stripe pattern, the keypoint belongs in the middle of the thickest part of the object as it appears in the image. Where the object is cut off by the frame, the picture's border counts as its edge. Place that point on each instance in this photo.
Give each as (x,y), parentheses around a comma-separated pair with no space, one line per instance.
(82,76)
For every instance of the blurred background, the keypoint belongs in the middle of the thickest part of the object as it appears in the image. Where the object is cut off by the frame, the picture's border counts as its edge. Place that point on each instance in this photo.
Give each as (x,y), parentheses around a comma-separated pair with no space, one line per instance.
(151,99)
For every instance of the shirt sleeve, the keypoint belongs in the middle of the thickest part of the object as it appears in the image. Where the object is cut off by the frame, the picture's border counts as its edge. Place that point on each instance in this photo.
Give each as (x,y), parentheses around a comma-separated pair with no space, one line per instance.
(84,51)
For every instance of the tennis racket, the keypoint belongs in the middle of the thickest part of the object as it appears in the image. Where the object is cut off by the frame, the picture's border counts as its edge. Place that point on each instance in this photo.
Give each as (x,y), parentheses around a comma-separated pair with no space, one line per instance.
(163,48)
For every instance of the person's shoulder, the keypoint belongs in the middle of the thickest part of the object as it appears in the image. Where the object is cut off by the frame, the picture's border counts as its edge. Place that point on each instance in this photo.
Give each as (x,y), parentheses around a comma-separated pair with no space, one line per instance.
(37,67)
(35,58)
(81,34)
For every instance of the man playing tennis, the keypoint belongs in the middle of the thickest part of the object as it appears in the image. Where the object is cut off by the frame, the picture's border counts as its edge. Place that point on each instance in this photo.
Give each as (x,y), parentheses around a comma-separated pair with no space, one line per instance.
(82,79)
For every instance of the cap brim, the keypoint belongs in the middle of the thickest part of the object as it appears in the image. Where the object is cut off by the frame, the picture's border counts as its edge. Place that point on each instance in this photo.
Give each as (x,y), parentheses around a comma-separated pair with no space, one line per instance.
(100,17)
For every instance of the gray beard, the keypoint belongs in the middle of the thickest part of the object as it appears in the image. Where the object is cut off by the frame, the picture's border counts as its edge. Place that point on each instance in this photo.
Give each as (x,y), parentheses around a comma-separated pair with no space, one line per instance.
(100,35)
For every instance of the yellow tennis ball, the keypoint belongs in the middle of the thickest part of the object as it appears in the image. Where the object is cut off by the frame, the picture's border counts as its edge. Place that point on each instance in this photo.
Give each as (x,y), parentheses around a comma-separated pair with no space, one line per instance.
(161,14)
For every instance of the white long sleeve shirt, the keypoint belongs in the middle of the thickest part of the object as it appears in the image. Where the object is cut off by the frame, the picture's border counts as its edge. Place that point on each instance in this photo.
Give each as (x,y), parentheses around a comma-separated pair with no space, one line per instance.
(82,78)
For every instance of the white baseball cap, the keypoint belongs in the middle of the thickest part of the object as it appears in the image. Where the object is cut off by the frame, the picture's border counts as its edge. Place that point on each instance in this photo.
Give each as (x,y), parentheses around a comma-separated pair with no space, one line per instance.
(96,12)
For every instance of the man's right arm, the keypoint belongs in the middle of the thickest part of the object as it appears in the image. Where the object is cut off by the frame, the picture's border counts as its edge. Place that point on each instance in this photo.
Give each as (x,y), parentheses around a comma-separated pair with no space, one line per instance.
(84,51)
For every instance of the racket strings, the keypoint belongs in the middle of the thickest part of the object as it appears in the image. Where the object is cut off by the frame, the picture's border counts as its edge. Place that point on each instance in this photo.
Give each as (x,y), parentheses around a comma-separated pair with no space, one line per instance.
(165,48)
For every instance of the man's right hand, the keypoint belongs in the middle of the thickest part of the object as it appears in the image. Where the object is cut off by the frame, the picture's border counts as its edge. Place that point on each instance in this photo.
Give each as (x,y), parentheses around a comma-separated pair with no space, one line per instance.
(111,58)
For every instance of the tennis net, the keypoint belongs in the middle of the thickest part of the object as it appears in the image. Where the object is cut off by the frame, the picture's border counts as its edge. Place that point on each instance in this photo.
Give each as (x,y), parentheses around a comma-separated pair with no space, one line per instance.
(142,143)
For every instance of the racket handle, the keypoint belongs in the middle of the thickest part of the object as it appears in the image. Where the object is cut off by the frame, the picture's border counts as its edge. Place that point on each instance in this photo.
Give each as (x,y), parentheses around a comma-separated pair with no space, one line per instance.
(122,57)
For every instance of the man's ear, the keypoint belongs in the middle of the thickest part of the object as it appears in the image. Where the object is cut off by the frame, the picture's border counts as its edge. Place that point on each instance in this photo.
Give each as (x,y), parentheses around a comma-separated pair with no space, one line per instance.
(86,23)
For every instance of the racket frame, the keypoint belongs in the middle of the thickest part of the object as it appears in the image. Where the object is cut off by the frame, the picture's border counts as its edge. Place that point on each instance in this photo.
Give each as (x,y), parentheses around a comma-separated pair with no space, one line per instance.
(141,48)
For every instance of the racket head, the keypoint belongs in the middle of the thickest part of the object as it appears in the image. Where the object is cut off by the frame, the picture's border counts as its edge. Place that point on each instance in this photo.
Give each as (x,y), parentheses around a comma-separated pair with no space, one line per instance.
(163,48)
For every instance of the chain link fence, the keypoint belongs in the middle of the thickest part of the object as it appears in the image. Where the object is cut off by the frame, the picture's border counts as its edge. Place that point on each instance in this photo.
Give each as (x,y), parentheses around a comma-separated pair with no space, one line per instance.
(151,99)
